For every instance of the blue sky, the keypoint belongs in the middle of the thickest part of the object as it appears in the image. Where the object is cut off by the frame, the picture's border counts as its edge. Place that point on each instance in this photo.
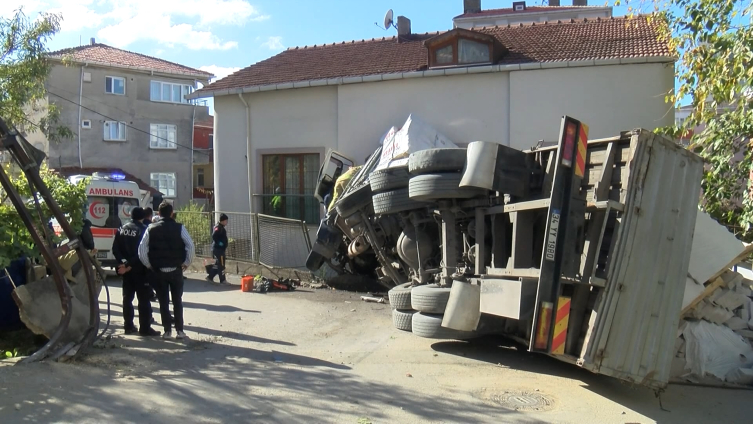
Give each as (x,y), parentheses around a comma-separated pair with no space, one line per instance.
(221,36)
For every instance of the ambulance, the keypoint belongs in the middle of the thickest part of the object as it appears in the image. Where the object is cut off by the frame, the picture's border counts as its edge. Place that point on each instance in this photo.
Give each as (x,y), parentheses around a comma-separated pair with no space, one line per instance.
(109,200)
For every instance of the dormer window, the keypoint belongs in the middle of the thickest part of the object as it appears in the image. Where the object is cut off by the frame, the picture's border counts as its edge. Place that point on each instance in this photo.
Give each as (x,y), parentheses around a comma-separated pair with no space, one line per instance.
(461,47)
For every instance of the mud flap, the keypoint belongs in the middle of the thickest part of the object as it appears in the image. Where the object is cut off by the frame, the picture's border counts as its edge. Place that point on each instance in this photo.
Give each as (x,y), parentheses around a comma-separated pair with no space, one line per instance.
(463,310)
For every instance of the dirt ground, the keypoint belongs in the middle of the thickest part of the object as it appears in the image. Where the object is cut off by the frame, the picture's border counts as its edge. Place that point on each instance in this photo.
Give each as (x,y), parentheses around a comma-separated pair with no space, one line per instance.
(326,356)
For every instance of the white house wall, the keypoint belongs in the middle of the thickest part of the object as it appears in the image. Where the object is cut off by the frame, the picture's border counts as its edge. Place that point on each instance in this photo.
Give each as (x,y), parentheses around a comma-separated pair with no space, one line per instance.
(609,99)
(516,108)
(464,108)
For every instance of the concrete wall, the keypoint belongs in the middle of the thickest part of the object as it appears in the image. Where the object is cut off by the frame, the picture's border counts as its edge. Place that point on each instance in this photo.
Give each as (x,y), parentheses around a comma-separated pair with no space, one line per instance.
(517,109)
(134,108)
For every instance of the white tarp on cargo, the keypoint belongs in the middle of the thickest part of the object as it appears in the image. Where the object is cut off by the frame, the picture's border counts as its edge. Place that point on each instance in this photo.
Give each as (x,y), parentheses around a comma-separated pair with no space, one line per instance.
(415,135)
(715,349)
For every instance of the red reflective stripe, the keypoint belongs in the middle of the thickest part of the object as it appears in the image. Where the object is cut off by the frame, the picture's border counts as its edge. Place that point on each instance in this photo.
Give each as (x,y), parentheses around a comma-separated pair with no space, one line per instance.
(103,232)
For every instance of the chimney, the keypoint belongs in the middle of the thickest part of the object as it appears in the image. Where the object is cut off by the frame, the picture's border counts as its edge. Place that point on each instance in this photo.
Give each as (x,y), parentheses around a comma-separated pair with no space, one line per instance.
(580,2)
(471,6)
(403,26)
(554,2)
(92,41)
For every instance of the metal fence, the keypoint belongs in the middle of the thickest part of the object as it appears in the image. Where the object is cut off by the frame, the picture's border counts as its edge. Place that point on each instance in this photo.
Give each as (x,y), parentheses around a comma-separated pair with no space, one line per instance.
(252,237)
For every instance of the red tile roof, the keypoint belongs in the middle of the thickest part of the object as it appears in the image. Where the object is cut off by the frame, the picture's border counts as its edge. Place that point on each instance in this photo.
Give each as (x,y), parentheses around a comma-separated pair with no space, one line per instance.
(110,56)
(611,38)
(529,9)
(69,171)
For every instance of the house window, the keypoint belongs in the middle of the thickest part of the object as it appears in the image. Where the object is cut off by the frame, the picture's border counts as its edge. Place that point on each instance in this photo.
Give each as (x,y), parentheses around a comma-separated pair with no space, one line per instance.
(444,55)
(288,186)
(164,182)
(115,131)
(472,51)
(211,141)
(115,85)
(163,136)
(199,177)
(169,92)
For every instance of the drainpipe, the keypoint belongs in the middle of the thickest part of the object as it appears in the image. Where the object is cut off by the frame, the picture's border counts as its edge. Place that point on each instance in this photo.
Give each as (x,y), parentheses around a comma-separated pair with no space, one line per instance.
(248,150)
(193,129)
(80,98)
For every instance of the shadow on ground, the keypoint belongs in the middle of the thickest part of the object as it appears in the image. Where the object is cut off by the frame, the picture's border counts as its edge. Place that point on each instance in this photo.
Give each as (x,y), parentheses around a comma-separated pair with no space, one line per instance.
(206,381)
(669,406)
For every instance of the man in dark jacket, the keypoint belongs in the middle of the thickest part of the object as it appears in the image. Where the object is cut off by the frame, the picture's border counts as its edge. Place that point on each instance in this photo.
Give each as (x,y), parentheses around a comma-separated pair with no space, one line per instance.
(87,238)
(125,248)
(219,245)
(168,250)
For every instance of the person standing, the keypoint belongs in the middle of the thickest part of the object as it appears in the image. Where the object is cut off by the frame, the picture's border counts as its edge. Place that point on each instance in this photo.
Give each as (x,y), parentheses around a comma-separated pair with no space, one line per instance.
(167,249)
(148,215)
(219,245)
(125,248)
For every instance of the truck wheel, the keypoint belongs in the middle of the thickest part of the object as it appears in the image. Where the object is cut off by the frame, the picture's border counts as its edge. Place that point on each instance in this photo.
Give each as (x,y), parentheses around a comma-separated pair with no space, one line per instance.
(353,201)
(430,298)
(400,296)
(431,161)
(403,320)
(389,179)
(395,201)
(429,326)
(441,186)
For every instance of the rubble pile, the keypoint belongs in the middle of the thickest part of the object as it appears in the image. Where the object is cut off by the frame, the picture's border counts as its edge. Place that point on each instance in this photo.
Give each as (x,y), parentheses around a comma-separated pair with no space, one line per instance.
(714,342)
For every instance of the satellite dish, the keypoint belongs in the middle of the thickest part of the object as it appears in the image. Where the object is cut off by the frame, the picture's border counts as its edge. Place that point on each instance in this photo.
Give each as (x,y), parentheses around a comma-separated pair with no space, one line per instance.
(388,19)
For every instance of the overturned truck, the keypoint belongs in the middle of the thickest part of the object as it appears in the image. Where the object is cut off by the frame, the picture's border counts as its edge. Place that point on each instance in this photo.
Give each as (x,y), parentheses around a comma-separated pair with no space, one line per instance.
(578,250)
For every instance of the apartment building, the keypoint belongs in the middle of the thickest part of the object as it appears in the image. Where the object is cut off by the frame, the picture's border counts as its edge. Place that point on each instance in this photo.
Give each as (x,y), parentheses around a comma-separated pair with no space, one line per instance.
(128,111)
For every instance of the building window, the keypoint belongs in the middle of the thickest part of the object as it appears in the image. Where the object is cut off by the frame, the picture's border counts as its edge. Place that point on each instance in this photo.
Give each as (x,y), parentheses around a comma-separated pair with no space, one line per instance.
(115,131)
(115,85)
(199,177)
(211,141)
(472,51)
(164,182)
(169,92)
(288,186)
(444,55)
(163,136)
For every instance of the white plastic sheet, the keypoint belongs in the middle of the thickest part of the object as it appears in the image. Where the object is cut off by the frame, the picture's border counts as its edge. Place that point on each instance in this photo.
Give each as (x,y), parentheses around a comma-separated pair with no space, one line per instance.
(415,135)
(714,349)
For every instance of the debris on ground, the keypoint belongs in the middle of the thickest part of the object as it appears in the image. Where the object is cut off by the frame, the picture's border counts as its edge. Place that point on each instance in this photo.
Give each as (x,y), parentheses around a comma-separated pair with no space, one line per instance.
(264,284)
(714,342)
(373,299)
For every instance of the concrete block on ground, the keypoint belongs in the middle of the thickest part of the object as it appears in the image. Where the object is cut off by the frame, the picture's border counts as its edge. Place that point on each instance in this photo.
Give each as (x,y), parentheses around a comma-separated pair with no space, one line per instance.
(732,279)
(743,313)
(743,290)
(715,314)
(717,294)
(735,323)
(742,376)
(731,300)
(713,249)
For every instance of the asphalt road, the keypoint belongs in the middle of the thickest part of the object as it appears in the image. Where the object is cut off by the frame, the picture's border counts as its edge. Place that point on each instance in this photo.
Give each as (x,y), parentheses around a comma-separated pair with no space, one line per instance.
(326,356)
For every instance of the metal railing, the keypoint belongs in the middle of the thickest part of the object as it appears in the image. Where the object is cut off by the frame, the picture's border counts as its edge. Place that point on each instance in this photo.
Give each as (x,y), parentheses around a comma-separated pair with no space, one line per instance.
(252,237)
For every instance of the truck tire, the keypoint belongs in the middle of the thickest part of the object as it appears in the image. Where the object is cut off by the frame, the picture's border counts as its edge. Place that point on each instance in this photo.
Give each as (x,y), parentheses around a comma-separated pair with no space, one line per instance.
(353,201)
(430,298)
(429,326)
(399,296)
(389,179)
(395,201)
(431,161)
(430,187)
(403,320)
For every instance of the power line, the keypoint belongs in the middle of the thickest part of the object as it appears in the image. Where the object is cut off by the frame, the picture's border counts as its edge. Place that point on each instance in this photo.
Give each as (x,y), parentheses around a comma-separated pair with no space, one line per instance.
(127,125)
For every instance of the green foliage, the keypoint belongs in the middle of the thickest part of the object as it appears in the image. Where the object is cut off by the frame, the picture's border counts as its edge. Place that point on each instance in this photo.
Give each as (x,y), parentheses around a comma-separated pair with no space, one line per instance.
(23,71)
(714,42)
(15,238)
(197,221)
(10,354)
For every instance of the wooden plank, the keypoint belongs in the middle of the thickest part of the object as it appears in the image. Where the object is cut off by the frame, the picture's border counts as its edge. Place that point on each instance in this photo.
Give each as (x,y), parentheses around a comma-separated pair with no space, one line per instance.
(739,258)
(602,187)
(592,244)
(619,175)
(528,205)
(606,204)
(718,282)
(597,156)
(513,272)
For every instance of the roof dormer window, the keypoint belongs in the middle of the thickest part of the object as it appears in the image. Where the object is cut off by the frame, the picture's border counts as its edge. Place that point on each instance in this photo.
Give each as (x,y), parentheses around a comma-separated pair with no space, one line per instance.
(461,47)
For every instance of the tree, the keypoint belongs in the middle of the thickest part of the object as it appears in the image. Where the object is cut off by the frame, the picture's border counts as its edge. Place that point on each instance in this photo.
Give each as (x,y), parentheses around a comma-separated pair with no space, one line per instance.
(15,239)
(714,42)
(23,72)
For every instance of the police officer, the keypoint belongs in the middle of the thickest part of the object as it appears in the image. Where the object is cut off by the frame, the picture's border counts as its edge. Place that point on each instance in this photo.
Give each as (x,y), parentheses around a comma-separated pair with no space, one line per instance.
(219,245)
(125,247)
